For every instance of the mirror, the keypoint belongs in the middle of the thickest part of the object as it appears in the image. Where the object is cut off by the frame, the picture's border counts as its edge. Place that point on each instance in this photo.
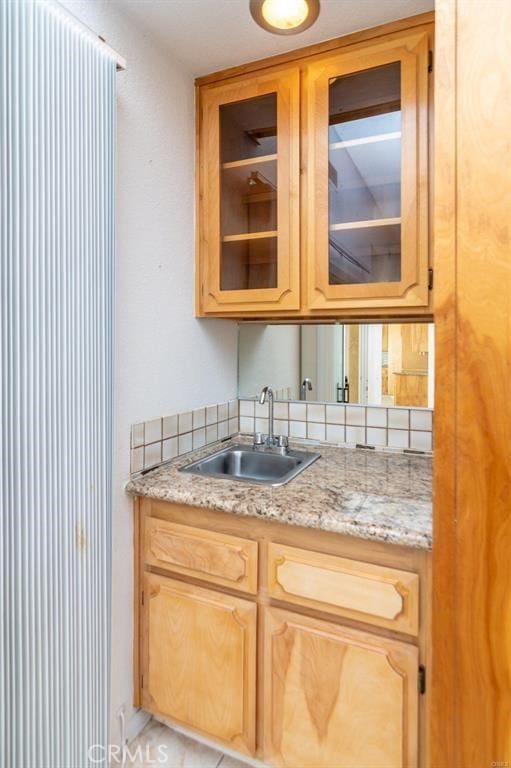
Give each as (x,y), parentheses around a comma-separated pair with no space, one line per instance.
(390,364)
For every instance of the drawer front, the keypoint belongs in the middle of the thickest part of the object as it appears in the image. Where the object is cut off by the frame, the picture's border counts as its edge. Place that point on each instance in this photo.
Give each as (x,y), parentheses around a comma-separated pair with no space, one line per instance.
(386,597)
(214,557)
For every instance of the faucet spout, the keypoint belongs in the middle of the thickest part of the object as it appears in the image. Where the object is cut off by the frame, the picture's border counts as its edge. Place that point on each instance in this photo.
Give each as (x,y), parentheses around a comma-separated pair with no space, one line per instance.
(267,394)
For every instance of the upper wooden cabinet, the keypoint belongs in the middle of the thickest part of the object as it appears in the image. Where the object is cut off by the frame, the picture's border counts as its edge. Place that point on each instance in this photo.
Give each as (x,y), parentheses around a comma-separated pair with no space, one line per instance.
(313,181)
(249,162)
(366,224)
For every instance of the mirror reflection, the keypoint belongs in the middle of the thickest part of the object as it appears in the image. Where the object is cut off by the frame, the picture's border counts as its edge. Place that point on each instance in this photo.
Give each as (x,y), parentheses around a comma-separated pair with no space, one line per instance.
(375,364)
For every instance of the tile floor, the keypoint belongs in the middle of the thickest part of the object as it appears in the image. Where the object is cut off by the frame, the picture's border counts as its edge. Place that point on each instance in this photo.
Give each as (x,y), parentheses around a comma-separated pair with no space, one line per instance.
(160,747)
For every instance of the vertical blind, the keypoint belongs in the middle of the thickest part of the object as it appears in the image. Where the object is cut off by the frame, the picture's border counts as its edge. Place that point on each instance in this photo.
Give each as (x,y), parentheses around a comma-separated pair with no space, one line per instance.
(57,130)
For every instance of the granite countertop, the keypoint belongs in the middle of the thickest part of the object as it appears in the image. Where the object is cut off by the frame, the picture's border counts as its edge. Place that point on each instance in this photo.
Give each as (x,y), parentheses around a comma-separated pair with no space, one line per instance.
(375,495)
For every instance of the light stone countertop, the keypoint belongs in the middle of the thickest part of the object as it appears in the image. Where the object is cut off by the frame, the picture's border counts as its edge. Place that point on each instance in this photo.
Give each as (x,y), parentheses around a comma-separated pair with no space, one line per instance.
(375,495)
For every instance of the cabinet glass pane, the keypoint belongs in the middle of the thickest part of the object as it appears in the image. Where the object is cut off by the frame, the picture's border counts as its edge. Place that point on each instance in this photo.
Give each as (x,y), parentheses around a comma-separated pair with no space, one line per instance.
(248,194)
(249,198)
(248,128)
(248,264)
(364,174)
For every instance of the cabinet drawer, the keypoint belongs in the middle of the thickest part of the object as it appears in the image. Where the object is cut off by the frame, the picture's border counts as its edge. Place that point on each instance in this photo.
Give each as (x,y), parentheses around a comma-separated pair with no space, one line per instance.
(386,597)
(215,557)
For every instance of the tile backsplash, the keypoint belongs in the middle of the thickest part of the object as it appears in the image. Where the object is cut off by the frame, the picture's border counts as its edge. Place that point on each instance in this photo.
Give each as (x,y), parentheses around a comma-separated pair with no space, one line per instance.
(375,426)
(158,440)
(162,439)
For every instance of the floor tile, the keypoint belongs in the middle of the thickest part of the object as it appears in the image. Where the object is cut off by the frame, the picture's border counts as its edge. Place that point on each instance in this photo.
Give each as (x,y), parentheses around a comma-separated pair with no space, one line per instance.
(160,746)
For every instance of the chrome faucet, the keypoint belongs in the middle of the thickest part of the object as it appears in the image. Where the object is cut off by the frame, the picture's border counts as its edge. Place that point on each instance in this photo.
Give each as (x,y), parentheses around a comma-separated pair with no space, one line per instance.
(270,441)
(267,394)
(306,386)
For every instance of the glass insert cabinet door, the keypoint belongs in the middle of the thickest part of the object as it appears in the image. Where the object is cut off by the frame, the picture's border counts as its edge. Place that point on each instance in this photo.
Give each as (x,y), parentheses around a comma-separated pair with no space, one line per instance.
(367,239)
(249,194)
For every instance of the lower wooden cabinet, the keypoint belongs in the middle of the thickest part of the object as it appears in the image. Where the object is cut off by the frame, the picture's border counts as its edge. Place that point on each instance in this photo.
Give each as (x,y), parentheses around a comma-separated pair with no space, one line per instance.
(199,659)
(300,648)
(336,696)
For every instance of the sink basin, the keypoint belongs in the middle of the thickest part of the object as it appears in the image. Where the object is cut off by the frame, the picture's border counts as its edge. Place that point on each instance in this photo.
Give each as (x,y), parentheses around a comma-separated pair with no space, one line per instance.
(242,462)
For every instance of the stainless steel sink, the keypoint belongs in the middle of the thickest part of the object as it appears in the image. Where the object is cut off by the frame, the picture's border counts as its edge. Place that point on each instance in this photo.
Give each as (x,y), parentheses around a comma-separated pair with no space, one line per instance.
(242,462)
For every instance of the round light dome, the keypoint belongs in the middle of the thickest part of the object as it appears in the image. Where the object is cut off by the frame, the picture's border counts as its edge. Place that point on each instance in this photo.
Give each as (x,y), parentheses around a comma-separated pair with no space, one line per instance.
(284,17)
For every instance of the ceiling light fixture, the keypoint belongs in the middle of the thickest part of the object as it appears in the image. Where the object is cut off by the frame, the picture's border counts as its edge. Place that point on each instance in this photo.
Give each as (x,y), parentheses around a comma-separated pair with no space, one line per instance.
(284,17)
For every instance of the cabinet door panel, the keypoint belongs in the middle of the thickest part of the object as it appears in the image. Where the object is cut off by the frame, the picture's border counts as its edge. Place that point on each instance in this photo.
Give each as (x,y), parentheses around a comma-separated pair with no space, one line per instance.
(249,180)
(367,244)
(198,660)
(335,696)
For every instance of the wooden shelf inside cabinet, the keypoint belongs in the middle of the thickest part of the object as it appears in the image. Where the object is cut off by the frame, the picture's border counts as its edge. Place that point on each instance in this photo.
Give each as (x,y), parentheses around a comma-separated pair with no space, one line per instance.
(248,161)
(248,236)
(365,224)
(365,140)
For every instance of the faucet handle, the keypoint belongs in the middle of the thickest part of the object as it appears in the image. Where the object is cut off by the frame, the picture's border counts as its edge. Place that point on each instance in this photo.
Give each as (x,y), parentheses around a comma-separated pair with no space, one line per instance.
(283,441)
(259,438)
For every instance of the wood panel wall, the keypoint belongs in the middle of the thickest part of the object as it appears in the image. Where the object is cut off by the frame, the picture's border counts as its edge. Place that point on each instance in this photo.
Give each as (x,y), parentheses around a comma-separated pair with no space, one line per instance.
(471,682)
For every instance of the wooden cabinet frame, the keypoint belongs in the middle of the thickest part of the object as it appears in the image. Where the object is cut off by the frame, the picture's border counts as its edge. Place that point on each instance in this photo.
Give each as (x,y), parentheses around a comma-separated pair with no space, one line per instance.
(379,559)
(412,289)
(286,84)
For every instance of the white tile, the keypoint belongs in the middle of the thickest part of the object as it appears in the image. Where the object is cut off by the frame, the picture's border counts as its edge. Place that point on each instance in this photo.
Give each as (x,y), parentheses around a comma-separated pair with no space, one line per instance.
(376,417)
(198,438)
(169,449)
(211,433)
(420,441)
(233,426)
(199,418)
(169,426)
(137,435)
(316,412)
(335,414)
(398,418)
(152,431)
(281,427)
(262,411)
(137,459)
(422,420)
(376,436)
(262,425)
(355,415)
(160,747)
(315,431)
(184,422)
(223,429)
(223,411)
(185,443)
(246,424)
(152,455)
(335,433)
(398,438)
(298,429)
(247,407)
(281,410)
(355,435)
(233,409)
(211,414)
(297,411)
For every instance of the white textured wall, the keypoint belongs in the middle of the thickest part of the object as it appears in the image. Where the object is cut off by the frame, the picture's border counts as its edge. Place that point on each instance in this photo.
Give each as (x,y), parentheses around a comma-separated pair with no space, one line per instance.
(166,360)
(269,355)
